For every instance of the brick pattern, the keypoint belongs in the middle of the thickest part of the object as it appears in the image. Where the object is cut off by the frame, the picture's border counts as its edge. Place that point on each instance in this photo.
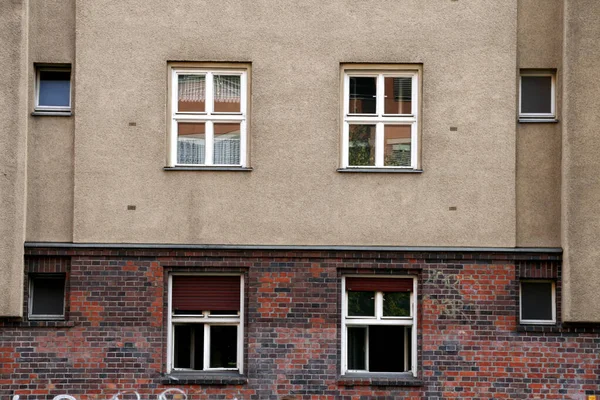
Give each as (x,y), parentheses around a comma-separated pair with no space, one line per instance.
(470,344)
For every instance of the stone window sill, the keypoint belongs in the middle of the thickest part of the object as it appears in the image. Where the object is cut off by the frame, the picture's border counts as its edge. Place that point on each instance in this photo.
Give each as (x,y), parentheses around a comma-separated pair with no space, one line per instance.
(204,378)
(538,121)
(52,113)
(382,170)
(379,380)
(182,168)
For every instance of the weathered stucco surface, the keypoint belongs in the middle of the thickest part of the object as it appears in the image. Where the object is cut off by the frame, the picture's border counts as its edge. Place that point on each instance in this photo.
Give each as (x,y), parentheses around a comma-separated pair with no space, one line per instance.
(294,194)
(540,34)
(13,153)
(581,164)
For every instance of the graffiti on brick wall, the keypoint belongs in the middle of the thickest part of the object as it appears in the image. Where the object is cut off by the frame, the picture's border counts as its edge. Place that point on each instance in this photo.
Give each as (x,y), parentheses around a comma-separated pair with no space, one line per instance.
(452,303)
(169,394)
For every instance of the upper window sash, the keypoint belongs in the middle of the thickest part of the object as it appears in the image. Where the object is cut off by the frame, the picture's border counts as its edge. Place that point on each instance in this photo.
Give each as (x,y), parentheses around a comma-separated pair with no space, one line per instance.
(552,113)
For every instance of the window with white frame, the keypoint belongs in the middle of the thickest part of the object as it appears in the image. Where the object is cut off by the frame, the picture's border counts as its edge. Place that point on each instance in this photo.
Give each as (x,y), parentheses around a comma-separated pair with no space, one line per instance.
(381,118)
(537,98)
(47,296)
(379,325)
(53,88)
(205,323)
(208,117)
(537,302)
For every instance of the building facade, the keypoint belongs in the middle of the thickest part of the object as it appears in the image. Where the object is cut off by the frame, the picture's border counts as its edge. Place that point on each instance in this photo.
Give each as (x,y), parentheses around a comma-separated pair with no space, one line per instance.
(320,200)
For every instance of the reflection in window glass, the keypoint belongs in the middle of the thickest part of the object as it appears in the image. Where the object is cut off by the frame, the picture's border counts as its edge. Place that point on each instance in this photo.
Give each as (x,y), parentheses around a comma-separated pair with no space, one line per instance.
(388,351)
(398,95)
(191,93)
(361,304)
(55,89)
(191,138)
(189,346)
(363,95)
(223,346)
(397,146)
(48,296)
(396,304)
(536,301)
(536,94)
(361,149)
(227,92)
(357,348)
(227,144)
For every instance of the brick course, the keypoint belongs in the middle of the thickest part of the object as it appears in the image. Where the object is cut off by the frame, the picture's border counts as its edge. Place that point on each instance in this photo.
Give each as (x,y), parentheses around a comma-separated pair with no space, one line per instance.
(470,343)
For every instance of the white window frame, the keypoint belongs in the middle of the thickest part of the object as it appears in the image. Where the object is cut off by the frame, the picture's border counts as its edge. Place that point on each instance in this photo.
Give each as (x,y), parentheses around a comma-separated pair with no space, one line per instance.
(537,321)
(380,320)
(380,119)
(207,320)
(538,116)
(31,295)
(38,70)
(209,117)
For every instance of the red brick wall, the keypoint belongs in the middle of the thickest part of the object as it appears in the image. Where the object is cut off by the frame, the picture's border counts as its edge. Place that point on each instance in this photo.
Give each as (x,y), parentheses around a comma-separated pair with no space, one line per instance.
(470,343)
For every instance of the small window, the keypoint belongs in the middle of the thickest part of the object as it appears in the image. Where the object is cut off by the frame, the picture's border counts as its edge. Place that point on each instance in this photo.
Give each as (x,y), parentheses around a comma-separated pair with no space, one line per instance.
(53,89)
(538,302)
(379,325)
(537,96)
(381,118)
(47,297)
(206,328)
(208,117)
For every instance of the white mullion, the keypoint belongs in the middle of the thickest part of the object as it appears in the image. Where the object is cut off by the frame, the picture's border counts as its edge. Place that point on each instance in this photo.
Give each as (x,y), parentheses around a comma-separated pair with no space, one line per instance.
(414,145)
(379,95)
(209,93)
(414,329)
(406,321)
(170,333)
(206,358)
(243,144)
(209,143)
(346,101)
(363,119)
(202,117)
(174,128)
(244,111)
(240,338)
(345,144)
(379,144)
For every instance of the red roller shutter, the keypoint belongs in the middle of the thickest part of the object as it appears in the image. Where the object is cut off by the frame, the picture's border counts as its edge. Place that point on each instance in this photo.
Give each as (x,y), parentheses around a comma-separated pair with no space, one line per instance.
(379,284)
(206,293)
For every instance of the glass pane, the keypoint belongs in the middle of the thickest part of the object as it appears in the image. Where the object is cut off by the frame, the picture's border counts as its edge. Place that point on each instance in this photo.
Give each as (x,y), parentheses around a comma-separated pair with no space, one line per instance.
(536,301)
(397,146)
(387,349)
(227,144)
(356,348)
(396,304)
(223,346)
(191,140)
(48,296)
(363,95)
(361,145)
(191,93)
(398,95)
(55,88)
(227,92)
(189,346)
(536,94)
(361,304)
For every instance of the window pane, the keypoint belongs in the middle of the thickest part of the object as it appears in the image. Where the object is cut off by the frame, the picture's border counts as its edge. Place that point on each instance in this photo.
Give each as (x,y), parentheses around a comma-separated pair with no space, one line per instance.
(227,144)
(227,92)
(363,95)
(191,140)
(361,304)
(536,94)
(48,296)
(397,145)
(387,349)
(191,93)
(361,145)
(356,348)
(396,304)
(55,88)
(398,95)
(536,301)
(189,346)
(223,346)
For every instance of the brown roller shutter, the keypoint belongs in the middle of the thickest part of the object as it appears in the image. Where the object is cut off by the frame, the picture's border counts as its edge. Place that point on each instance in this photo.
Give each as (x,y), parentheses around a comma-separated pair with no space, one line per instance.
(206,293)
(379,284)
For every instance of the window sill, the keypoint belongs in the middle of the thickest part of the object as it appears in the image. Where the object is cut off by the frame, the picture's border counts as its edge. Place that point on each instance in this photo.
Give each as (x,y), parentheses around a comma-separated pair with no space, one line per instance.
(358,379)
(538,120)
(204,378)
(52,113)
(382,170)
(181,168)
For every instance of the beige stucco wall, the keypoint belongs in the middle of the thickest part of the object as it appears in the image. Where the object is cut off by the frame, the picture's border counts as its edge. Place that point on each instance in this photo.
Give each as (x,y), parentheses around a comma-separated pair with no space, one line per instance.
(294,194)
(50,139)
(581,164)
(13,153)
(539,145)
